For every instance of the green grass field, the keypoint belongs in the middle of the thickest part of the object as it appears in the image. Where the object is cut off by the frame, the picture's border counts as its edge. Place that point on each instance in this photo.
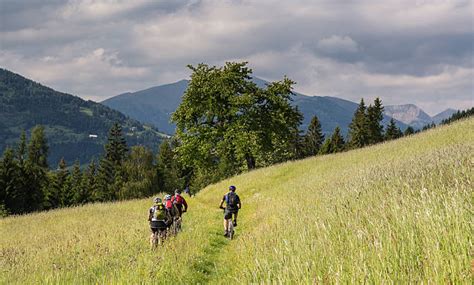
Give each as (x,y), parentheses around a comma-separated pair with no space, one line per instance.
(397,212)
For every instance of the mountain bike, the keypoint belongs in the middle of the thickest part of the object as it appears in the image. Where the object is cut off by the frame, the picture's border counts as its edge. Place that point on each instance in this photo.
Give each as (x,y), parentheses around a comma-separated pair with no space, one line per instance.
(176,226)
(230,226)
(230,229)
(159,236)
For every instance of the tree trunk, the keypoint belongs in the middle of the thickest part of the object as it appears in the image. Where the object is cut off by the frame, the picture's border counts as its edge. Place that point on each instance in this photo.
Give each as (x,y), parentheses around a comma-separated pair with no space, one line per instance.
(250,161)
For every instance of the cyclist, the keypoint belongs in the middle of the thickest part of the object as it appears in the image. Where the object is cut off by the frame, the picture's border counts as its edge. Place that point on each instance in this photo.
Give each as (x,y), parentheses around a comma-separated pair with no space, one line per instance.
(171,209)
(158,218)
(187,191)
(180,202)
(232,207)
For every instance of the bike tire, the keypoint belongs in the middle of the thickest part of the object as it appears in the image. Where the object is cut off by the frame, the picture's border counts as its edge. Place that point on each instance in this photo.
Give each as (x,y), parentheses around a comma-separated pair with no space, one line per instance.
(231,230)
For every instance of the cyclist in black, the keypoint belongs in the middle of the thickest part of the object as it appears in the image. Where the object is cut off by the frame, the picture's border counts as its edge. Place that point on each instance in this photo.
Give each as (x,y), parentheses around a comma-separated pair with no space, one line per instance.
(232,207)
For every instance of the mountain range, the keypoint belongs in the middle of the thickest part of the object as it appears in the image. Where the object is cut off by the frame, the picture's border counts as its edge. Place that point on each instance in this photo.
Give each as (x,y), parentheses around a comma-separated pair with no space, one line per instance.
(414,116)
(77,129)
(156,104)
(74,128)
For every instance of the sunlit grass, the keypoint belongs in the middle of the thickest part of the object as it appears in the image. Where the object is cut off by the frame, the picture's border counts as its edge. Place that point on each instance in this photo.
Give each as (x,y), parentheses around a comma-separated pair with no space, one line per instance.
(396,212)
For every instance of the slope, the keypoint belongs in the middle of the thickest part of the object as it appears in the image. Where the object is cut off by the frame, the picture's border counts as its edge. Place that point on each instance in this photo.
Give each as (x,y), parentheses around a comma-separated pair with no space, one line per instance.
(68,120)
(396,212)
(155,106)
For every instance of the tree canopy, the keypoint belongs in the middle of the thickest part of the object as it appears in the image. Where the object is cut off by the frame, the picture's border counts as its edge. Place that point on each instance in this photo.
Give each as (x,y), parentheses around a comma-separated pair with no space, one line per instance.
(225,121)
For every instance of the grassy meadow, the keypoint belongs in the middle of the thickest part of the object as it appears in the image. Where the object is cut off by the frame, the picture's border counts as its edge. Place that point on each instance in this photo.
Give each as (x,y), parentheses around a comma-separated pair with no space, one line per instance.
(398,212)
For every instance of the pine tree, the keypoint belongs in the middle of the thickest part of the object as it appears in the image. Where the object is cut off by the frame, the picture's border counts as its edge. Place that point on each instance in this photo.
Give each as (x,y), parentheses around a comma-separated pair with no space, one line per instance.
(38,148)
(392,132)
(78,192)
(21,149)
(90,181)
(23,181)
(3,190)
(34,172)
(375,117)
(116,147)
(409,131)
(359,127)
(326,147)
(14,198)
(54,194)
(110,166)
(314,138)
(105,178)
(337,141)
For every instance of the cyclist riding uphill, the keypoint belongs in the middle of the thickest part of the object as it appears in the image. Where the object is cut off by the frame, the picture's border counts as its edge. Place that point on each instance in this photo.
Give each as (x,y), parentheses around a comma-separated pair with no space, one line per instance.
(179,201)
(232,206)
(158,216)
(171,209)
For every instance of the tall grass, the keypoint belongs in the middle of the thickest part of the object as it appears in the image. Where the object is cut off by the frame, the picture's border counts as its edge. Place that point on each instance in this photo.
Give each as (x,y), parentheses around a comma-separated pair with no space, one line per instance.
(396,212)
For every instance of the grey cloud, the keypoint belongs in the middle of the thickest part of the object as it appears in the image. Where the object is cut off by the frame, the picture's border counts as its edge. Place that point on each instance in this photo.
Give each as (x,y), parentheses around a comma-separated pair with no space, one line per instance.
(344,48)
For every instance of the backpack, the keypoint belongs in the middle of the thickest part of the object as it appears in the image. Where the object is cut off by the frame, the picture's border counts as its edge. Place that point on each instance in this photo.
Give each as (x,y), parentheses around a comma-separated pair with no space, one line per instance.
(158,213)
(178,199)
(231,200)
(168,205)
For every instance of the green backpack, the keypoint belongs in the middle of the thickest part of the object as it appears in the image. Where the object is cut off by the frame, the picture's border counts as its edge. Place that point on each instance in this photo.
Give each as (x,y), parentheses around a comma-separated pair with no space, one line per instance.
(159,213)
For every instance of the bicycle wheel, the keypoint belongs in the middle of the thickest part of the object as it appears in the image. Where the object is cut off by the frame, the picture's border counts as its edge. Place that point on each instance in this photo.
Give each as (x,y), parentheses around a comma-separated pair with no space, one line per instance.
(230,230)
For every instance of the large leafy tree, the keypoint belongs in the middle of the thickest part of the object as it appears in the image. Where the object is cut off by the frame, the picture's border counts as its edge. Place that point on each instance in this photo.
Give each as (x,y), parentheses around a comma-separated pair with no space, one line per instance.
(314,137)
(375,117)
(359,127)
(167,168)
(140,174)
(225,121)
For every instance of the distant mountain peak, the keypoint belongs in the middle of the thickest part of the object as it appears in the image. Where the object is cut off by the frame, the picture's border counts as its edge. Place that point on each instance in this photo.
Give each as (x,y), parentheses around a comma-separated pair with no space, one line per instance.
(438,118)
(409,114)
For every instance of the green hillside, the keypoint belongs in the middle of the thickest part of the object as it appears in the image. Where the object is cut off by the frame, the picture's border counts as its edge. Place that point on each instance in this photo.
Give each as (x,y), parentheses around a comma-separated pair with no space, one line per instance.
(395,212)
(69,121)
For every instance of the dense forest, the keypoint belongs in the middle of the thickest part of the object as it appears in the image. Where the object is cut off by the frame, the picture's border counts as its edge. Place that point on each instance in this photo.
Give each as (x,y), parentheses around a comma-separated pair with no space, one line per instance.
(226,125)
(76,129)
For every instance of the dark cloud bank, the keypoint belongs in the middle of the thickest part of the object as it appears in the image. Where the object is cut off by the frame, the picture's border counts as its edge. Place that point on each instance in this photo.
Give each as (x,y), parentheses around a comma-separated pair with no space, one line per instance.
(403,51)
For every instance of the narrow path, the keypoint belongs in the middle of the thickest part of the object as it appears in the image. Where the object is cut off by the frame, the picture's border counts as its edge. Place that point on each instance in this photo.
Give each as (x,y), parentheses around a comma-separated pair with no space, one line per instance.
(205,266)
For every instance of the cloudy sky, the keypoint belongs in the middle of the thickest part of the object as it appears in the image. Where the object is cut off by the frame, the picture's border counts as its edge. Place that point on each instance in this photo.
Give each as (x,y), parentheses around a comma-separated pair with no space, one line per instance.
(413,51)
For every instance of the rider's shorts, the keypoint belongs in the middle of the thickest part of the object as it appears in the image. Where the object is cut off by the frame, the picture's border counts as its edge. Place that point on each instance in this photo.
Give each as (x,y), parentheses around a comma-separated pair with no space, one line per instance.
(157,226)
(229,212)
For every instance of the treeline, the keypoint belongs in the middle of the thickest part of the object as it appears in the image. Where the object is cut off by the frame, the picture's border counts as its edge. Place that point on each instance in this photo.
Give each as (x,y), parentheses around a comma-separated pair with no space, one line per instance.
(226,125)
(27,184)
(365,129)
(459,115)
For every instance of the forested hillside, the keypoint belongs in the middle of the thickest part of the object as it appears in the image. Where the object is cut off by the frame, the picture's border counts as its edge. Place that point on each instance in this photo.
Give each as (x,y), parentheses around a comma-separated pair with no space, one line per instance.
(75,129)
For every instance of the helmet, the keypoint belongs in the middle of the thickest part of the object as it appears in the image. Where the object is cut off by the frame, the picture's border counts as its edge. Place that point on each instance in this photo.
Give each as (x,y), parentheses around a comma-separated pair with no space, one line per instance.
(177,191)
(157,200)
(232,188)
(167,197)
